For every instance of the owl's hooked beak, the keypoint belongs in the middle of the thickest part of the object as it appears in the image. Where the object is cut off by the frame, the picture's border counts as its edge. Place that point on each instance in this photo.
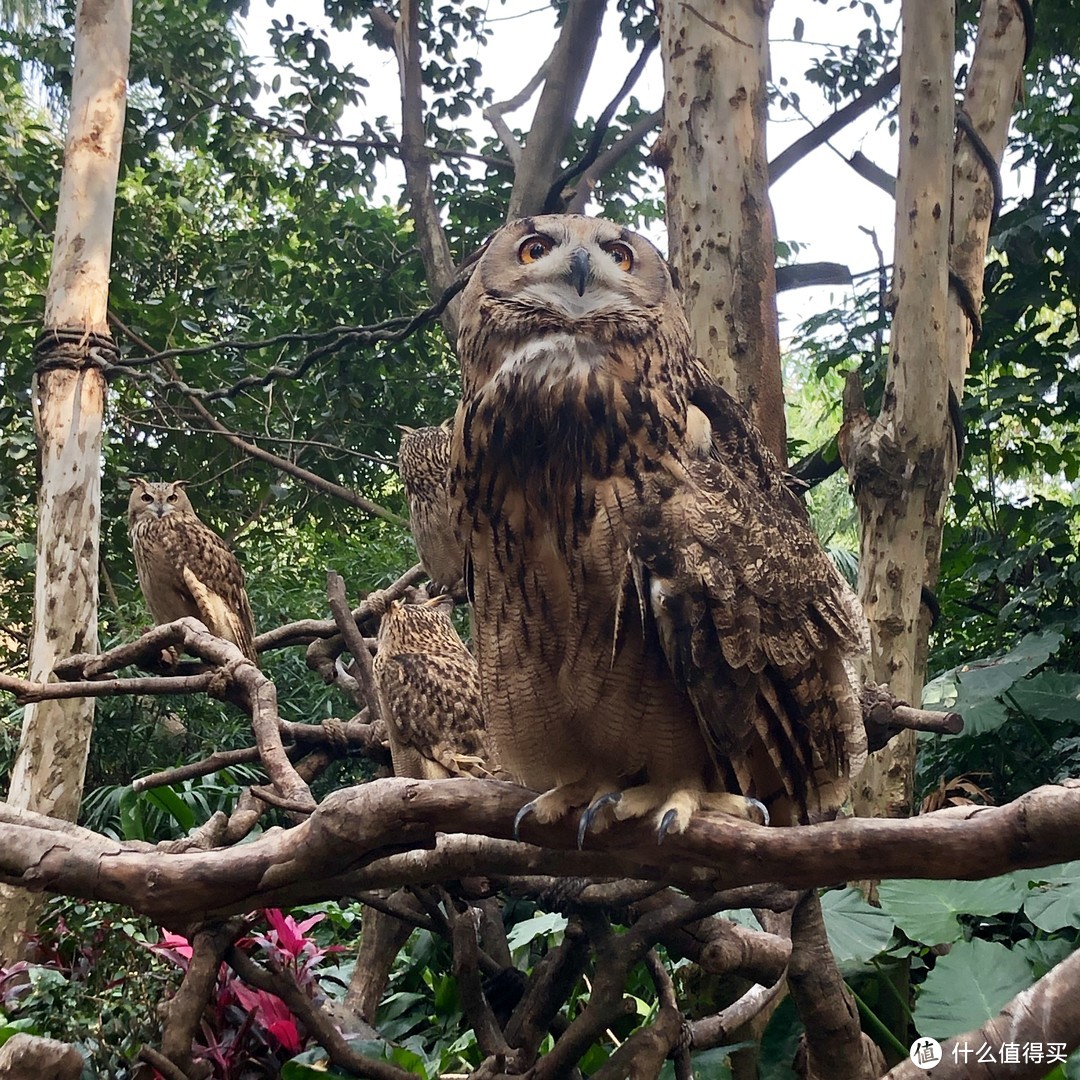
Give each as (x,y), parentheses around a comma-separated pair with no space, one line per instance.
(579,269)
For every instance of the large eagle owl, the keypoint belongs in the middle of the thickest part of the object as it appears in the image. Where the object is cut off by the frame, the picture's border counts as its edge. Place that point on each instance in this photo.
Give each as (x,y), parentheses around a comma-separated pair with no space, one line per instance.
(429,691)
(184,567)
(657,628)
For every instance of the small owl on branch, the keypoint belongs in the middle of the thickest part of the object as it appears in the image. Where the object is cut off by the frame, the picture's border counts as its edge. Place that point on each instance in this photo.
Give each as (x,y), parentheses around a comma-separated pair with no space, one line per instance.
(429,694)
(657,628)
(184,567)
(424,467)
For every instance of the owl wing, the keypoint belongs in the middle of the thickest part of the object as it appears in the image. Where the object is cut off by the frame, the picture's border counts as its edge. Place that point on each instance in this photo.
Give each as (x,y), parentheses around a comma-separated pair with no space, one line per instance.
(751,615)
(215,581)
(435,716)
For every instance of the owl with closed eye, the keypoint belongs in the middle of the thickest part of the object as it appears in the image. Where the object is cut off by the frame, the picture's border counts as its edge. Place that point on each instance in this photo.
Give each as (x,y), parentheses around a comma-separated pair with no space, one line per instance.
(657,628)
(184,567)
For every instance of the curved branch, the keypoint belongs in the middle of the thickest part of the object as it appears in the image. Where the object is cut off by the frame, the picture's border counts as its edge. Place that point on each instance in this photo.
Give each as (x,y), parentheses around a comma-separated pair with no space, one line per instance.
(389,819)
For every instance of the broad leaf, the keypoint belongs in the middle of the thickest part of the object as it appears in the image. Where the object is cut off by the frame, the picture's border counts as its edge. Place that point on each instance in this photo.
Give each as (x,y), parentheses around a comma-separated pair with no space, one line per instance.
(538,926)
(857,931)
(973,689)
(1054,900)
(1050,695)
(968,987)
(927,910)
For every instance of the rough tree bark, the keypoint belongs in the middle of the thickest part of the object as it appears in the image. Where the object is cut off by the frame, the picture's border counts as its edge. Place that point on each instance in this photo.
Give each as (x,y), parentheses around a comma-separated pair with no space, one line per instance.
(68,400)
(902,466)
(720,223)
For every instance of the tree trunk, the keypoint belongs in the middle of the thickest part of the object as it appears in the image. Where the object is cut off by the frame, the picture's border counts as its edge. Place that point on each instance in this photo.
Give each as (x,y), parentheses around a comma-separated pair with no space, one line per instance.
(903,465)
(68,400)
(720,223)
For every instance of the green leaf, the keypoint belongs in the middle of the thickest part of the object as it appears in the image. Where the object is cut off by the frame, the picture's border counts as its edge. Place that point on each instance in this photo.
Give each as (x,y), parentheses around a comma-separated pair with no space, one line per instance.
(13,1027)
(1050,695)
(968,987)
(131,816)
(857,931)
(173,805)
(973,689)
(927,910)
(538,926)
(1054,900)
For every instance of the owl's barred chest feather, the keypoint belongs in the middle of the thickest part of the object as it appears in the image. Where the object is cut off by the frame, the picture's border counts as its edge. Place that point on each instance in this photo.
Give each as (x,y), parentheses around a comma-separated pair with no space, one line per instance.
(563,418)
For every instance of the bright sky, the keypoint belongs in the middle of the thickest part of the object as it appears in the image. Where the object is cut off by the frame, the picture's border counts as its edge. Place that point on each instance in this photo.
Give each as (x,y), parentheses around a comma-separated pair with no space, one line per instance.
(820,203)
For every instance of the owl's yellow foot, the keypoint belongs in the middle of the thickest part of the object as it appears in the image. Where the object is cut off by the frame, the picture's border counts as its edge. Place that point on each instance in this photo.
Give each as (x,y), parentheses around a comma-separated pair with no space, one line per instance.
(559,801)
(673,809)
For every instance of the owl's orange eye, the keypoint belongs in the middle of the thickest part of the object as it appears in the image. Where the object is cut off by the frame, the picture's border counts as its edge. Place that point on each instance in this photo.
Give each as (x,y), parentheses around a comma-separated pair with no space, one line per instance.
(621,255)
(534,248)
(172,497)
(147,497)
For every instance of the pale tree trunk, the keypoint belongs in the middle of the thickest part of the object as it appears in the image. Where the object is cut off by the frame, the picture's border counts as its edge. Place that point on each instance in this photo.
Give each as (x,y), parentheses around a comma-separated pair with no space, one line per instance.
(903,465)
(719,218)
(68,400)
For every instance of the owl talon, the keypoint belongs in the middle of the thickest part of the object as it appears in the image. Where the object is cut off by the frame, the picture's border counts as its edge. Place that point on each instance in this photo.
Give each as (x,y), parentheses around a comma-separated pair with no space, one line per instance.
(522,814)
(757,804)
(666,822)
(589,814)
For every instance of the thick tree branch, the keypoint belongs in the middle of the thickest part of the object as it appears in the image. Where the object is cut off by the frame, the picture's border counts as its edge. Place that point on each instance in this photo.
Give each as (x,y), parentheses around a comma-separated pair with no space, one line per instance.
(564,79)
(717,1030)
(183,1011)
(870,97)
(834,1042)
(336,848)
(434,250)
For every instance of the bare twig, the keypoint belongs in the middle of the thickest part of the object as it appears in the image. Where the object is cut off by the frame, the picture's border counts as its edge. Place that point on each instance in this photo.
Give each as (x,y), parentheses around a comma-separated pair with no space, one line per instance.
(716,1030)
(236,678)
(494,113)
(839,120)
(343,736)
(354,642)
(308,630)
(603,122)
(609,158)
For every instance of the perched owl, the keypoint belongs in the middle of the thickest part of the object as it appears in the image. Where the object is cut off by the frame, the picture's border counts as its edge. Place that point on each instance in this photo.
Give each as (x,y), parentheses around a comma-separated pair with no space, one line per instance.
(184,567)
(430,693)
(657,628)
(424,465)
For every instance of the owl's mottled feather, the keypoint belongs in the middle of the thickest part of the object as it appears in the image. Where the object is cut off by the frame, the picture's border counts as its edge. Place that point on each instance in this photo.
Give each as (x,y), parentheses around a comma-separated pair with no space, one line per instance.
(424,465)
(653,616)
(429,693)
(184,567)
